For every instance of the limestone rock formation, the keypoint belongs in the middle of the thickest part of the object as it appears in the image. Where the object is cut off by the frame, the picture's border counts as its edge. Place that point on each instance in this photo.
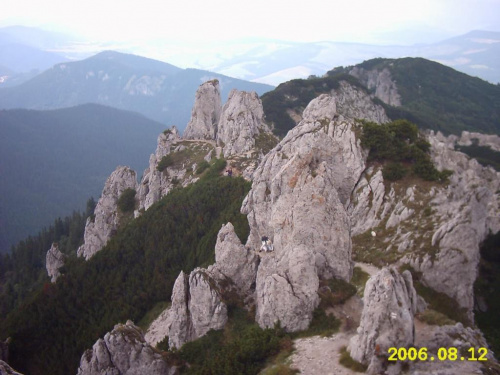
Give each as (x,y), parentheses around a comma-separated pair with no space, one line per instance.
(100,228)
(155,184)
(241,122)
(466,211)
(5,369)
(206,112)
(379,81)
(452,219)
(54,261)
(233,261)
(488,140)
(298,199)
(123,351)
(196,308)
(390,303)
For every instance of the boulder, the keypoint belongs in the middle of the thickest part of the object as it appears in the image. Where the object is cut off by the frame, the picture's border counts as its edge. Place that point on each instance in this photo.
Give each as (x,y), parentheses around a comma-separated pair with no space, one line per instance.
(390,303)
(106,219)
(5,369)
(54,261)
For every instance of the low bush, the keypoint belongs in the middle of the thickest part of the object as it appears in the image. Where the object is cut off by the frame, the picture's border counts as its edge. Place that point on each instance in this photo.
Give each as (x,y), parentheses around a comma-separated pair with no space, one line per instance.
(126,201)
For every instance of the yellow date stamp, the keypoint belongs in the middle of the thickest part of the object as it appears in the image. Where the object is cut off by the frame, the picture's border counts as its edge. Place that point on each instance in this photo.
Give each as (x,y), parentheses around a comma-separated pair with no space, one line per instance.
(443,354)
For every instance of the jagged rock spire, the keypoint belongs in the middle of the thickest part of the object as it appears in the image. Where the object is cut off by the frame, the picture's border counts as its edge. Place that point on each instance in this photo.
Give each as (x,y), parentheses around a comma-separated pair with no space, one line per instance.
(54,261)
(100,228)
(206,112)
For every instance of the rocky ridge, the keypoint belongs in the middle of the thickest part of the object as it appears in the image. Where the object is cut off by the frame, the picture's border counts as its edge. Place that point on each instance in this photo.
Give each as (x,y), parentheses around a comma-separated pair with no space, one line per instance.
(101,227)
(54,261)
(380,82)
(312,193)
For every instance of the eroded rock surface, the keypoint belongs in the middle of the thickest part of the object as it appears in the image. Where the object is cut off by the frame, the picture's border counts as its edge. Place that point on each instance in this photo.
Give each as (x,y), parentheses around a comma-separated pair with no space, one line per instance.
(381,82)
(5,369)
(106,219)
(54,261)
(390,303)
(298,200)
(154,183)
(241,122)
(206,112)
(196,308)
(123,351)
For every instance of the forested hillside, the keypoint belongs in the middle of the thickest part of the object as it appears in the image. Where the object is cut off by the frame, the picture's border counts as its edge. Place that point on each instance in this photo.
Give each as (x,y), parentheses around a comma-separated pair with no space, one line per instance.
(432,95)
(52,161)
(135,270)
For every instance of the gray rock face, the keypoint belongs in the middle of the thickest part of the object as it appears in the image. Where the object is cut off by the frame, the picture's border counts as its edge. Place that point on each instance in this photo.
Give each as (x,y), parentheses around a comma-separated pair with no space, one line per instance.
(488,140)
(452,220)
(233,261)
(123,351)
(155,184)
(196,308)
(5,369)
(298,200)
(54,261)
(390,303)
(380,81)
(107,217)
(206,112)
(241,122)
(466,211)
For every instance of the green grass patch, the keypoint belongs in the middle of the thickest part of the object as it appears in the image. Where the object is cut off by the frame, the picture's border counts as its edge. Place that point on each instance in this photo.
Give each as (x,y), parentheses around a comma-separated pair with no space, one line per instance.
(359,279)
(347,361)
(334,292)
(322,324)
(433,317)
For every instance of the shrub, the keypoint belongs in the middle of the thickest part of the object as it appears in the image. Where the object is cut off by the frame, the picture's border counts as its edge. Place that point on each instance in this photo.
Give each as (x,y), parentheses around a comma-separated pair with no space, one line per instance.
(126,201)
(347,361)
(202,167)
(165,162)
(394,171)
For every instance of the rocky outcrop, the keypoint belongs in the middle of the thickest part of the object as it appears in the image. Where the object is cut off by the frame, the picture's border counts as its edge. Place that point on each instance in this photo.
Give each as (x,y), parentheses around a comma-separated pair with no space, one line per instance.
(298,199)
(234,262)
(206,112)
(123,351)
(436,228)
(54,261)
(106,219)
(380,82)
(5,369)
(241,122)
(465,211)
(196,308)
(390,303)
(154,183)
(487,140)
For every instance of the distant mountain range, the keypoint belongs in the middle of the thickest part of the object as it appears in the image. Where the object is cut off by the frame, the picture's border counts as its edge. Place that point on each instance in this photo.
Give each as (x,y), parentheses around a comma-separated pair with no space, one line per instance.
(158,90)
(259,60)
(53,161)
(476,53)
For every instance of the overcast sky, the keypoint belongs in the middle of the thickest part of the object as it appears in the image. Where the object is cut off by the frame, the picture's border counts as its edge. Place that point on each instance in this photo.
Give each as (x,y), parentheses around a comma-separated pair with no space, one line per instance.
(381,21)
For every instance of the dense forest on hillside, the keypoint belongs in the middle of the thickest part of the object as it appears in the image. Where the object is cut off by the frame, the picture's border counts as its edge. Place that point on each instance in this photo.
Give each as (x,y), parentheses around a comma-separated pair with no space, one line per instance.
(433,96)
(133,272)
(23,271)
(52,161)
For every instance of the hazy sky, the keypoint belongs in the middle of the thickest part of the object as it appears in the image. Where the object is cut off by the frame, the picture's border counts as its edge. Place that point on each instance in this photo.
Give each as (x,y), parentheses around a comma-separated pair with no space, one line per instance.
(381,21)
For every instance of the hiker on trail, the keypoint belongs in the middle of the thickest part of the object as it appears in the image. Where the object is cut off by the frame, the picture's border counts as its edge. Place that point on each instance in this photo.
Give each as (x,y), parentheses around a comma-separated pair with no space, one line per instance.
(266,244)
(229,172)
